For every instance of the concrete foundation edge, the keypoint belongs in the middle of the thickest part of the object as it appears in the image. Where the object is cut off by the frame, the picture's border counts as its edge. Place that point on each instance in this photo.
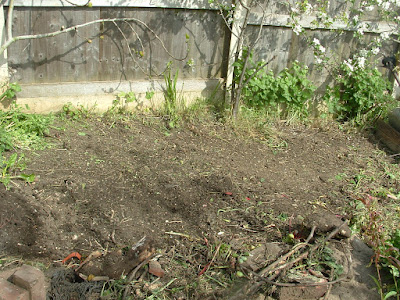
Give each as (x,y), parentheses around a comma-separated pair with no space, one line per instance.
(99,96)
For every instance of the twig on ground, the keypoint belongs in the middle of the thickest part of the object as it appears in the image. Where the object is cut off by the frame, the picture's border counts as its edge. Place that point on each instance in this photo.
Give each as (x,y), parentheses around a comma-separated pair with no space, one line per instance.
(204,270)
(181,234)
(278,266)
(133,274)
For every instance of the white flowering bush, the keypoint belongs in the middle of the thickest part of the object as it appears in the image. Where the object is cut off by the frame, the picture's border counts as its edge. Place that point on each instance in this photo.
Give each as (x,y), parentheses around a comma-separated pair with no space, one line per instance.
(360,94)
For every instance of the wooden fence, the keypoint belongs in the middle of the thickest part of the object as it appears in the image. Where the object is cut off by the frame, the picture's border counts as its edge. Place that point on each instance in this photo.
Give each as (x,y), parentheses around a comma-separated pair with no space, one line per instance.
(188,33)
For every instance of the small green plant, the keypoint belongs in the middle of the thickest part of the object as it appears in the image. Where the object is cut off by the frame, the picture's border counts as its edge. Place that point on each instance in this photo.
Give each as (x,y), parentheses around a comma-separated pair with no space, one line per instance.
(149,95)
(10,92)
(9,167)
(171,105)
(120,104)
(323,259)
(69,111)
(290,91)
(360,94)
(375,225)
(22,130)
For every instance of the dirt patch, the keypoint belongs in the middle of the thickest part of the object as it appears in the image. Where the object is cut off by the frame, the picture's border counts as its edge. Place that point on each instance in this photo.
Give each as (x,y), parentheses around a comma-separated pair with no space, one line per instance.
(106,184)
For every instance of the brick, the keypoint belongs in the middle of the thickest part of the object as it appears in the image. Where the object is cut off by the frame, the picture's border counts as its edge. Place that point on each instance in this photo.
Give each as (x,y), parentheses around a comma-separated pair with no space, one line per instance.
(31,279)
(9,291)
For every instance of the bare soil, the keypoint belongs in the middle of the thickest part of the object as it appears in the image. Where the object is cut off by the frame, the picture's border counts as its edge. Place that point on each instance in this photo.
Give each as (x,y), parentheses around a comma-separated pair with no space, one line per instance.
(104,184)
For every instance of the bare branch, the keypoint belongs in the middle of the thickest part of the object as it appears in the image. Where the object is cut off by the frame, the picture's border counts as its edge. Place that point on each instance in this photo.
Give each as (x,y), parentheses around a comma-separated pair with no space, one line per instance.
(78,5)
(9,20)
(76,27)
(129,48)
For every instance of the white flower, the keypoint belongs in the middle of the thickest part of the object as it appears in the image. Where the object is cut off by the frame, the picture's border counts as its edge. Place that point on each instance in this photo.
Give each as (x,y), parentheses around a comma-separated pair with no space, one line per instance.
(385,35)
(361,62)
(363,52)
(297,29)
(322,49)
(361,28)
(369,8)
(379,2)
(349,65)
(323,15)
(316,42)
(375,51)
(318,60)
(386,6)
(355,18)
(308,9)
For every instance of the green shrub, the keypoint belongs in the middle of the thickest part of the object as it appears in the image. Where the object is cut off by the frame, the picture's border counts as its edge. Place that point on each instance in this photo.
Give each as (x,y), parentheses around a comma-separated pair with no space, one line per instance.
(360,94)
(290,90)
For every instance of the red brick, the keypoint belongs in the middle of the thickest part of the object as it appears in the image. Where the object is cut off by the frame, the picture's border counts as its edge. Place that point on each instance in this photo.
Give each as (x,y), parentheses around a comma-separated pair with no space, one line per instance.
(31,279)
(9,291)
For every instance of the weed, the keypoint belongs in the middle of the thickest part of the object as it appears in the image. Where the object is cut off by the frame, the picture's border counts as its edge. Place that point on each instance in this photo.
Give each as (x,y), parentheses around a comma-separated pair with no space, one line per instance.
(379,227)
(323,260)
(11,90)
(71,112)
(171,105)
(10,166)
(114,289)
(22,130)
(120,104)
(149,95)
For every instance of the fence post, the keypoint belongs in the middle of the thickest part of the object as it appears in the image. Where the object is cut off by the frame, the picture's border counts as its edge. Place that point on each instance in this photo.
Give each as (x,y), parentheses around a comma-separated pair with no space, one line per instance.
(3,56)
(237,26)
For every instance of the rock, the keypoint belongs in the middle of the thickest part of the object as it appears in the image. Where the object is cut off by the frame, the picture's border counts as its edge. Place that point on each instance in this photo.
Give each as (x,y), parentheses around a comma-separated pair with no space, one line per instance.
(25,282)
(361,285)
(327,222)
(31,279)
(116,263)
(155,269)
(303,292)
(262,256)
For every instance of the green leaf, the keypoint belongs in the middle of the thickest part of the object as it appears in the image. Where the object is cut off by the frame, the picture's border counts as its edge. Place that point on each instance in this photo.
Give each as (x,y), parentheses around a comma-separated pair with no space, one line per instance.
(390,294)
(28,177)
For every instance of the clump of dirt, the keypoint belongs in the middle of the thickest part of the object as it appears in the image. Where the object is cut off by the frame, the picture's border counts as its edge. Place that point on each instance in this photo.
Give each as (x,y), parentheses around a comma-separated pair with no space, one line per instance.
(106,184)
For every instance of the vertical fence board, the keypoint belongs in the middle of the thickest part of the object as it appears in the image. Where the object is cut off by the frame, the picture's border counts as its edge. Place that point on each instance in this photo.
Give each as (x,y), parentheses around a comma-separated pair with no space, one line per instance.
(71,58)
(64,58)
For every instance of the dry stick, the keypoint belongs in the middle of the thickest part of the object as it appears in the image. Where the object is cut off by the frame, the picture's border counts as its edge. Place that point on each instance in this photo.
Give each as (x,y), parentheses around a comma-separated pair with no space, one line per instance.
(313,248)
(133,274)
(289,264)
(251,288)
(328,292)
(205,269)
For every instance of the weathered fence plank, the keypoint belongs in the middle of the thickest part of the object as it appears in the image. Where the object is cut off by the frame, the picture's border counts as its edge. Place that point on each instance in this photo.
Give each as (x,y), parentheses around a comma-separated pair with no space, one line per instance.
(141,50)
(100,51)
(67,57)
